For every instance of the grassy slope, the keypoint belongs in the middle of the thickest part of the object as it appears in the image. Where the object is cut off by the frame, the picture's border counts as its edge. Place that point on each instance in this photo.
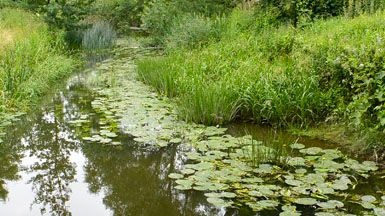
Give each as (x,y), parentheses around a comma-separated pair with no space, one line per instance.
(31,59)
(279,75)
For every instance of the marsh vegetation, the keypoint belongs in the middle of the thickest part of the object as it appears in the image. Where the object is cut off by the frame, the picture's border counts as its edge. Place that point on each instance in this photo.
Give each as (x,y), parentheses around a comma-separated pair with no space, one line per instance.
(157,88)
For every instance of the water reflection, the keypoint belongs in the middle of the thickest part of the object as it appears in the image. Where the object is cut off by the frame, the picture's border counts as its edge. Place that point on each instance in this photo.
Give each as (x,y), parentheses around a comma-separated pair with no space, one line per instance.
(51,143)
(9,159)
(128,180)
(137,185)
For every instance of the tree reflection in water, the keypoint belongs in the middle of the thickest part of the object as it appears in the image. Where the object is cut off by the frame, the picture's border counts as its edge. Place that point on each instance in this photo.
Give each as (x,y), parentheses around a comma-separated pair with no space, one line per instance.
(9,160)
(51,142)
(135,182)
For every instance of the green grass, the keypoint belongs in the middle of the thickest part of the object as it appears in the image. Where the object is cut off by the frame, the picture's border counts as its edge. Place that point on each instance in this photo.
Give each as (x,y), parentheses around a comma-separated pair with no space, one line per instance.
(269,73)
(32,59)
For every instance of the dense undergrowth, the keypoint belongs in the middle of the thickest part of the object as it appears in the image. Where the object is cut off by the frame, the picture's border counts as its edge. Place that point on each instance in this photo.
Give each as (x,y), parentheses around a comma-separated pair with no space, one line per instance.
(32,59)
(255,65)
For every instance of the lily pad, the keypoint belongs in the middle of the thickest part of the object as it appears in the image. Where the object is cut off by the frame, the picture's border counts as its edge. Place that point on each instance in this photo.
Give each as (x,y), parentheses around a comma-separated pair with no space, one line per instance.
(175,176)
(297,146)
(331,204)
(218,202)
(311,151)
(306,201)
(293,182)
(288,210)
(379,211)
(263,204)
(187,171)
(368,199)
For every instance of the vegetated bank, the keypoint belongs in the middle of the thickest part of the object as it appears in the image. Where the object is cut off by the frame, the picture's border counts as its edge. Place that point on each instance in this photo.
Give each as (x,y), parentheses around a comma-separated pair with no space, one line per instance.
(258,63)
(32,59)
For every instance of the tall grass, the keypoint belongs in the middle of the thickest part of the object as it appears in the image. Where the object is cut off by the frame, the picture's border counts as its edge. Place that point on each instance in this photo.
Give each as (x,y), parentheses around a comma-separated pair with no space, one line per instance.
(31,59)
(267,72)
(99,37)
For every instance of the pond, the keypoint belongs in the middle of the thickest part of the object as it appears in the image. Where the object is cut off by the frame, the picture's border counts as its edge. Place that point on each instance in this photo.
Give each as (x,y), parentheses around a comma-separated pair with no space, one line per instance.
(114,148)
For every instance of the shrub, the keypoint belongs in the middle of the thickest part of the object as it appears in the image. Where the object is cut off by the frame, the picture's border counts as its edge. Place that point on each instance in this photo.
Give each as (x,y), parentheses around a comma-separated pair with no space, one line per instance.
(160,17)
(299,11)
(157,18)
(189,31)
(122,14)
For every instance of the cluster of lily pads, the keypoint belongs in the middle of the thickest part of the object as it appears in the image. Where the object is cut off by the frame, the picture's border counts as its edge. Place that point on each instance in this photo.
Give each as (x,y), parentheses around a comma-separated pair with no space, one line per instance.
(320,178)
(136,109)
(221,166)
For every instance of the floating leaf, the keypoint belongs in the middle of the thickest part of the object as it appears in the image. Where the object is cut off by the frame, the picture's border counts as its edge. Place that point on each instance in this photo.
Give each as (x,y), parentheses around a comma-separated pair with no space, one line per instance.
(218,202)
(183,187)
(331,204)
(175,176)
(187,171)
(297,146)
(311,151)
(368,199)
(293,182)
(306,201)
(379,211)
(296,161)
(288,210)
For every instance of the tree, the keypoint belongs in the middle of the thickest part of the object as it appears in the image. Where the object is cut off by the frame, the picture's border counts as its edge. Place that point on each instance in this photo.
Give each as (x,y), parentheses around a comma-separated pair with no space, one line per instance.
(62,14)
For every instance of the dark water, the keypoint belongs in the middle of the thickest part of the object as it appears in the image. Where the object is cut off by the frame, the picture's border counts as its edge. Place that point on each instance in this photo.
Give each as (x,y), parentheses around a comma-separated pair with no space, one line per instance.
(45,169)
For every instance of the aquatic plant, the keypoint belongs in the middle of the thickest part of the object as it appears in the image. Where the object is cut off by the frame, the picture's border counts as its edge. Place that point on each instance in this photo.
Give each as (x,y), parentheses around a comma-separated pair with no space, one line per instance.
(100,36)
(312,177)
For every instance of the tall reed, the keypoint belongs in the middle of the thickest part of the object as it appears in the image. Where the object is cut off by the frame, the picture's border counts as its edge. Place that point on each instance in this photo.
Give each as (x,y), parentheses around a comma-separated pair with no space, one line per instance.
(99,37)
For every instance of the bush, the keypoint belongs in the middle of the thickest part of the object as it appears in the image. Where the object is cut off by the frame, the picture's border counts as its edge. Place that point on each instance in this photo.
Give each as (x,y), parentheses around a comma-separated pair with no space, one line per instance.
(160,17)
(122,14)
(157,18)
(302,11)
(189,31)
(100,36)
(351,62)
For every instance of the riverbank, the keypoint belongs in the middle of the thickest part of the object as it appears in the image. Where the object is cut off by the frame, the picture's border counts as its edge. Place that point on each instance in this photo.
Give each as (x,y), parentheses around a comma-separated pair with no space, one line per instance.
(327,71)
(32,60)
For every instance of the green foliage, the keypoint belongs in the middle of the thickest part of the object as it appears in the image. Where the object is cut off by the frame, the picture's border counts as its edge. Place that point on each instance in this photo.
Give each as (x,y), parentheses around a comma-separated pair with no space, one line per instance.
(189,31)
(160,17)
(157,18)
(100,36)
(31,62)
(122,14)
(282,75)
(62,14)
(302,11)
(365,77)
(8,4)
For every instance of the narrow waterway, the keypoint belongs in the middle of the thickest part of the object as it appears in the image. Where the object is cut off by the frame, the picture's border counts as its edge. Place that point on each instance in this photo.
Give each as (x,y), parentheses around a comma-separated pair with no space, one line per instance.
(46,167)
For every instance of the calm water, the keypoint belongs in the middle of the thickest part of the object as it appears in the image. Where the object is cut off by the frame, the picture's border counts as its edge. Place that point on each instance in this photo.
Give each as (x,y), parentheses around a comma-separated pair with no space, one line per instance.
(45,169)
